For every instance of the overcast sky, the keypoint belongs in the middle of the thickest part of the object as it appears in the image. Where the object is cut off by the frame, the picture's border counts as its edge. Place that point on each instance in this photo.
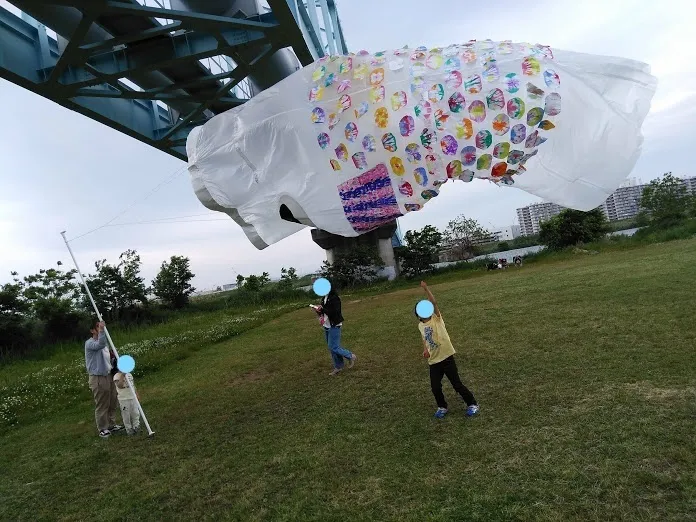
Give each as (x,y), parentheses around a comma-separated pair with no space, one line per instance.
(61,170)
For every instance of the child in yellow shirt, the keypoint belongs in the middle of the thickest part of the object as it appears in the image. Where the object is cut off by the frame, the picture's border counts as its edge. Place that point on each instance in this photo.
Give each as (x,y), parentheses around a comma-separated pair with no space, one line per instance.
(438,349)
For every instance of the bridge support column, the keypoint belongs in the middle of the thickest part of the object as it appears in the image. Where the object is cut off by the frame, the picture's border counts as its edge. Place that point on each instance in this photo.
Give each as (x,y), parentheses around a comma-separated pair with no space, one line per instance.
(380,239)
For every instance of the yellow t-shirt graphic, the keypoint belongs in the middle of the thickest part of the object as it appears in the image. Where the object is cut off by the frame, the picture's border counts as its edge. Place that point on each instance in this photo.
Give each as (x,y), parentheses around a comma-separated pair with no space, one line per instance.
(436,339)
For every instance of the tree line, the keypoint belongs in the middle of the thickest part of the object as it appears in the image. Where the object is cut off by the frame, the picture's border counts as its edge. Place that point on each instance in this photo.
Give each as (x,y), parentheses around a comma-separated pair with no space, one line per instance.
(52,306)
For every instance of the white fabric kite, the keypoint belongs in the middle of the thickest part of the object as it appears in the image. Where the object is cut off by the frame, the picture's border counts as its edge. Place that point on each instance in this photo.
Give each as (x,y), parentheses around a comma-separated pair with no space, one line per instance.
(352,142)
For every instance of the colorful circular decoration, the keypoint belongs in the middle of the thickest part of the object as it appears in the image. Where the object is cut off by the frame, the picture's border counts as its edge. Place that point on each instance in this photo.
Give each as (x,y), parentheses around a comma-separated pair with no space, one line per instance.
(426,138)
(449,145)
(532,141)
(436,93)
(515,108)
(344,86)
(398,100)
(359,160)
(377,94)
(376,77)
(369,143)
(316,93)
(473,84)
(468,155)
(484,139)
(406,189)
(454,169)
(552,79)
(456,102)
(534,116)
(454,80)
(412,207)
(381,118)
(418,86)
(362,110)
(341,152)
(389,142)
(351,131)
(423,109)
(495,100)
(406,126)
(499,169)
(360,72)
(453,64)
(552,106)
(429,194)
(501,150)
(477,111)
(484,162)
(324,140)
(467,176)
(344,103)
(530,66)
(397,166)
(329,80)
(434,61)
(334,119)
(346,66)
(465,129)
(318,115)
(432,161)
(518,134)
(318,73)
(501,124)
(491,73)
(420,176)
(441,118)
(412,153)
(512,83)
(335,164)
(534,92)
(515,156)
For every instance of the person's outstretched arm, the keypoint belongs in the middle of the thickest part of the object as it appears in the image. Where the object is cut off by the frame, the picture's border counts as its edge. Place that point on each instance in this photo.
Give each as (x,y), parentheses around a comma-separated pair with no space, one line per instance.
(100,343)
(431,298)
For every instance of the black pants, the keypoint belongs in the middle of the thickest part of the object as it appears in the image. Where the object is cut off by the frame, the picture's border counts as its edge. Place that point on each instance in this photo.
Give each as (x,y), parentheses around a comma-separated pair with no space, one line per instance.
(449,368)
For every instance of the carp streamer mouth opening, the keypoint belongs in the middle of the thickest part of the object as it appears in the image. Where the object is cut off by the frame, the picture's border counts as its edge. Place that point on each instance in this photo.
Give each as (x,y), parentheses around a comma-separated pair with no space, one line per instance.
(287,215)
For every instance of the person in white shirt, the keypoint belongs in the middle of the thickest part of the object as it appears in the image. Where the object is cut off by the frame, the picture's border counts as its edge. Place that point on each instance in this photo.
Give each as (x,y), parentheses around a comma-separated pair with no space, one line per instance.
(126,401)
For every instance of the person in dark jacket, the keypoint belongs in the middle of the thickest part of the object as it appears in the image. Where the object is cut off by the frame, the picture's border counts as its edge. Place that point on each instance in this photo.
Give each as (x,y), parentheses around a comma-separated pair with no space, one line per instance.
(332,320)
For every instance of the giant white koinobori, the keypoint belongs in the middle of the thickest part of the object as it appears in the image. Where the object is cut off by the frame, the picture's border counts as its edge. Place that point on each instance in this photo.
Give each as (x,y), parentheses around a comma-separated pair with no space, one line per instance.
(352,142)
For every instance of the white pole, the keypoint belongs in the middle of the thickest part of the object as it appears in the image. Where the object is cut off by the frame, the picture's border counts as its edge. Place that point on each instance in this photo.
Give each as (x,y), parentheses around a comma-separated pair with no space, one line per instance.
(150,433)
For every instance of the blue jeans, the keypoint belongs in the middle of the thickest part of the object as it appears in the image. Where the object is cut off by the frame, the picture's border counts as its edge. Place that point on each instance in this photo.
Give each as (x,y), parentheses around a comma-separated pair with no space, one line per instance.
(333,340)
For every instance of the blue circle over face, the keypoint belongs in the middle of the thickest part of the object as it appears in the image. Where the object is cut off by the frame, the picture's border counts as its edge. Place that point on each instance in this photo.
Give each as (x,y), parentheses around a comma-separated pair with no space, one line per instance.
(322,287)
(425,309)
(126,364)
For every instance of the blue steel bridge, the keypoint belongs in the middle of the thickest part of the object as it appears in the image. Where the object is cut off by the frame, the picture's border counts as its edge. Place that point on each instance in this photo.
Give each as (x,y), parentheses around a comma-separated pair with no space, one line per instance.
(154,69)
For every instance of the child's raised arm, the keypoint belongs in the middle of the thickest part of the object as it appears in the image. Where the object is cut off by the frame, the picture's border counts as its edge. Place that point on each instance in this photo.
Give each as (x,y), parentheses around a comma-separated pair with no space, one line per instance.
(431,298)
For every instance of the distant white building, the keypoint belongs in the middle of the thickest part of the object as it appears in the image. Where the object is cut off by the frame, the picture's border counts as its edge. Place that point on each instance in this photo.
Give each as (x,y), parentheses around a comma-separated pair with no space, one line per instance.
(531,217)
(507,233)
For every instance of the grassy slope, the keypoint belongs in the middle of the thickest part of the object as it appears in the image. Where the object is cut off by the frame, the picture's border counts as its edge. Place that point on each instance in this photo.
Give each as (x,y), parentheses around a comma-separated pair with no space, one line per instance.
(584,370)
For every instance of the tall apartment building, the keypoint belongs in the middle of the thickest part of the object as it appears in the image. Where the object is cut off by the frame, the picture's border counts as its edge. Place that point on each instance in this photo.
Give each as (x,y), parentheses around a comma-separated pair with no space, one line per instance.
(624,203)
(530,217)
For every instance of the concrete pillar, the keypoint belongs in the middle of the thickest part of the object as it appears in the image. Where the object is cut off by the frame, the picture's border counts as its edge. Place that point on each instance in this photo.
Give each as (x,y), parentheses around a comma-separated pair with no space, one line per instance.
(330,257)
(380,239)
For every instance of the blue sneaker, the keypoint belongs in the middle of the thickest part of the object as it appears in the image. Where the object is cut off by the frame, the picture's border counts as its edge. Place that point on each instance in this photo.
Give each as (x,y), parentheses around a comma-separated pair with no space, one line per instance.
(440,413)
(472,410)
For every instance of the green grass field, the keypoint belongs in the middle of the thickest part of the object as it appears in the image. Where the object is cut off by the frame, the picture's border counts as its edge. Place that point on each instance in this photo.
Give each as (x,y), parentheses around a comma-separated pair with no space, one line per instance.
(585,369)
